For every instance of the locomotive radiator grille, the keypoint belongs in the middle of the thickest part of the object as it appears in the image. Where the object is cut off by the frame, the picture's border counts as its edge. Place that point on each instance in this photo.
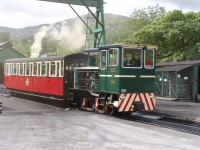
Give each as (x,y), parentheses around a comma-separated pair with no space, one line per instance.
(126,101)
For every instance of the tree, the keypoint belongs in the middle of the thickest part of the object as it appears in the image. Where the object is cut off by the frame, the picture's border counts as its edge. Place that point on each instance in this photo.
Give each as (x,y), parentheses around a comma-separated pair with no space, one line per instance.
(49,46)
(23,45)
(4,37)
(176,34)
(141,18)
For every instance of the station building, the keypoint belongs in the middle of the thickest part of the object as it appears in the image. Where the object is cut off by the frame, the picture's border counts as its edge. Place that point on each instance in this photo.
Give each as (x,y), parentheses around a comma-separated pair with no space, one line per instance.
(7,52)
(178,80)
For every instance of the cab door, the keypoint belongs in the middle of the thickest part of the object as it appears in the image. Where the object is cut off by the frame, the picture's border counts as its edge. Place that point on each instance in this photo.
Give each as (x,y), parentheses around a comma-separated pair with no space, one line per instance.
(109,70)
(103,70)
(113,73)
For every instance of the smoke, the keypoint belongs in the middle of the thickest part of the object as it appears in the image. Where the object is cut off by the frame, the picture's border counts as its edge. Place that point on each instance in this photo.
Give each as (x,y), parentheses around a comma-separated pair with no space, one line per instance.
(72,37)
(36,47)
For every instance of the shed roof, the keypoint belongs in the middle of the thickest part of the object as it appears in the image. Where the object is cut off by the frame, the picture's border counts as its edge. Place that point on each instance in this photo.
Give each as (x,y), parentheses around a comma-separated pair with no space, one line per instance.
(5,45)
(7,52)
(173,68)
(190,62)
(176,66)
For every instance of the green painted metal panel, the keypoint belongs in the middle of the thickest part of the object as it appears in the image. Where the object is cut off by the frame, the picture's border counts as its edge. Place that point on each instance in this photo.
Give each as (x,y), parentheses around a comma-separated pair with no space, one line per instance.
(97,30)
(90,3)
(137,80)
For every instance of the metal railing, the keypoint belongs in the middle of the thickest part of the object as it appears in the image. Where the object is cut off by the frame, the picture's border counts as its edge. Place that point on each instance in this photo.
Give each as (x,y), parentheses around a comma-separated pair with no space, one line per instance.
(181,90)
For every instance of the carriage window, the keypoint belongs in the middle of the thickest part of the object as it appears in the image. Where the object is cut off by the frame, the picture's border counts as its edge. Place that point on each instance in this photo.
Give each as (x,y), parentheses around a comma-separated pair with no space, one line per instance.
(34,69)
(9,69)
(48,68)
(62,68)
(39,68)
(14,69)
(21,69)
(27,69)
(31,70)
(132,58)
(113,56)
(59,68)
(149,59)
(43,69)
(6,69)
(18,69)
(103,60)
(53,69)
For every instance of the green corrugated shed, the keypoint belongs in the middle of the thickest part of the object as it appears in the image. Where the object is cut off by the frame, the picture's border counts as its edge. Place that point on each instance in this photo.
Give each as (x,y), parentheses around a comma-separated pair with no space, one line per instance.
(7,52)
(178,80)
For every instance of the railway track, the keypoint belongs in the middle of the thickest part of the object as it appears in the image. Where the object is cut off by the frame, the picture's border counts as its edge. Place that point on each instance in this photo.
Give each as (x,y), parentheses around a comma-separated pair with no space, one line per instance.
(166,121)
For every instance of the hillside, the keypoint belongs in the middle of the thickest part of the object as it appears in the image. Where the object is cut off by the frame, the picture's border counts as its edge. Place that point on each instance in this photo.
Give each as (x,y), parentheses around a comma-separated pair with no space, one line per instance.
(29,31)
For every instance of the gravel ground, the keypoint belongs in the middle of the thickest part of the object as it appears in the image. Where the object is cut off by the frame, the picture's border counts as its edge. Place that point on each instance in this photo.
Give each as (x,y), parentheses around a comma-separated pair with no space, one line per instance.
(26,125)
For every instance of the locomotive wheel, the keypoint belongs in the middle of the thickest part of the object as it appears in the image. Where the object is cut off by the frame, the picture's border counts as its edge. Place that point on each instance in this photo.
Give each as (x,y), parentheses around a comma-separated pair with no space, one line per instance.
(113,111)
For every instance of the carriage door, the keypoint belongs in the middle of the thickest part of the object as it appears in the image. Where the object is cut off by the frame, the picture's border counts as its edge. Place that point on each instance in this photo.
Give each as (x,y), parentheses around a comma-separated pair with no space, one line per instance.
(103,70)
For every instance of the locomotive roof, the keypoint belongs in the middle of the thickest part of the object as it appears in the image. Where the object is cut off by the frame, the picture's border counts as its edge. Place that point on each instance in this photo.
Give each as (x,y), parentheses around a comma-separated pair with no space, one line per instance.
(78,56)
(148,46)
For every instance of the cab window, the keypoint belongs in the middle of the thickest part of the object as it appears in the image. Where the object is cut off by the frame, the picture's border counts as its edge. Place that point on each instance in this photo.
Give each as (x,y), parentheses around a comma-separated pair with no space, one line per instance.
(103,60)
(113,56)
(132,58)
(149,59)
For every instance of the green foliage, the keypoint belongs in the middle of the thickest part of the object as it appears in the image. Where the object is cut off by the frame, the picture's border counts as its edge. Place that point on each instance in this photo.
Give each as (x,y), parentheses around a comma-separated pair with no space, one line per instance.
(141,18)
(4,37)
(115,32)
(49,46)
(176,35)
(23,45)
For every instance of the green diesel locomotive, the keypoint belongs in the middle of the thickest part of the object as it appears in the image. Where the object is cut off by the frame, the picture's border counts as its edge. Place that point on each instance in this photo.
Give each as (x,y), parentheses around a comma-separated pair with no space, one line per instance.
(117,79)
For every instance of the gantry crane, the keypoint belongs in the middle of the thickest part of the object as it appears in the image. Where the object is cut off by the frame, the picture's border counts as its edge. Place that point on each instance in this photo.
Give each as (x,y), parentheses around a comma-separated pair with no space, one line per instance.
(98,31)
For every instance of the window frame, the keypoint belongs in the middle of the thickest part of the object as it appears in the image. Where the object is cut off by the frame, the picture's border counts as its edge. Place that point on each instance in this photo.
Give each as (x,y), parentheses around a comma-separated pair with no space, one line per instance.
(43,71)
(54,70)
(35,64)
(153,60)
(117,57)
(106,61)
(141,58)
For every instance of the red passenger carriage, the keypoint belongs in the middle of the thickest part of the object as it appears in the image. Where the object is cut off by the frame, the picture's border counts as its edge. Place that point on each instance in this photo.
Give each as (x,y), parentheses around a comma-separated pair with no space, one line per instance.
(44,77)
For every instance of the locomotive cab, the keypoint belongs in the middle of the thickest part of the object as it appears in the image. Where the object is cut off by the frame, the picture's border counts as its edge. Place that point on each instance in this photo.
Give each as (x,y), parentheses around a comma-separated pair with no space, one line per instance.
(126,69)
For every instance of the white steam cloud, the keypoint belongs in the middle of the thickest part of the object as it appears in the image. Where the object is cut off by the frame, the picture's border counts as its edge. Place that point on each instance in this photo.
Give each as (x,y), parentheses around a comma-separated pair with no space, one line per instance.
(70,36)
(36,47)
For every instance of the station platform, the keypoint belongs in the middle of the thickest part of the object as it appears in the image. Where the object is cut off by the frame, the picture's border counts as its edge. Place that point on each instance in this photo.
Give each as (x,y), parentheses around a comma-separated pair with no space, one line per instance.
(179,109)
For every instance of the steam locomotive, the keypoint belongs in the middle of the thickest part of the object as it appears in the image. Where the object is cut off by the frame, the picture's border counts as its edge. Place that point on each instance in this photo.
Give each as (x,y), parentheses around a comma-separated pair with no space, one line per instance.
(108,79)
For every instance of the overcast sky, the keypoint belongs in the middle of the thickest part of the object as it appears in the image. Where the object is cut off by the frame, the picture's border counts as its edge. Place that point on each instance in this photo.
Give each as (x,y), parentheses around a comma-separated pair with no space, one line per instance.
(23,13)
